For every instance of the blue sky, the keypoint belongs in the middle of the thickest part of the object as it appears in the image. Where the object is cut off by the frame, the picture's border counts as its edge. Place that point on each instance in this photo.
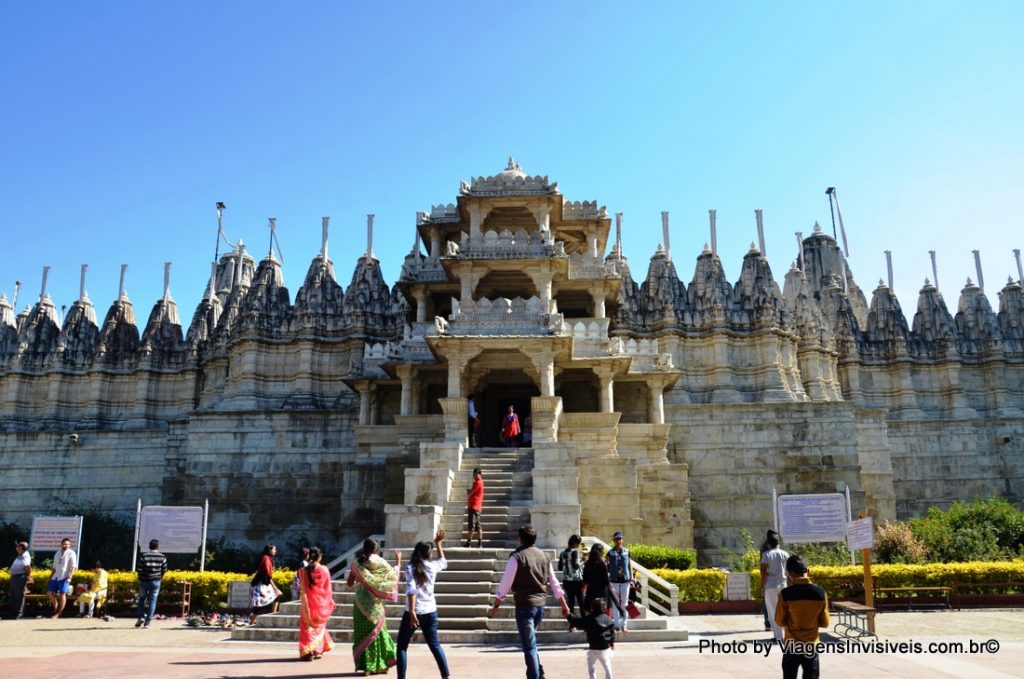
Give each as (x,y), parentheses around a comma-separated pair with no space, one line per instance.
(124,123)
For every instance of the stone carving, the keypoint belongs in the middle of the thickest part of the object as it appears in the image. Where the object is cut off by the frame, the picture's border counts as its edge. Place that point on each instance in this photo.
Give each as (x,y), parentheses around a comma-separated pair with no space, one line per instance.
(934,330)
(119,344)
(78,335)
(511,182)
(8,332)
(710,294)
(757,300)
(886,333)
(1011,317)
(978,331)
(37,335)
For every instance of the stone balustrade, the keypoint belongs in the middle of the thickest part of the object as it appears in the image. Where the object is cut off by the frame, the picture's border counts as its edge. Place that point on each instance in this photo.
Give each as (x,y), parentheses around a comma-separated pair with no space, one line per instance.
(505,244)
(503,316)
(419,269)
(589,267)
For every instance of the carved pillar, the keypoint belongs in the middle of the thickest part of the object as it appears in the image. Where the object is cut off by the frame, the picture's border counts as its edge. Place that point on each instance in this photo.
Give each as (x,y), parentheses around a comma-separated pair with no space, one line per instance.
(405,373)
(592,245)
(597,295)
(364,401)
(656,402)
(606,390)
(469,275)
(544,362)
(435,243)
(419,293)
(477,215)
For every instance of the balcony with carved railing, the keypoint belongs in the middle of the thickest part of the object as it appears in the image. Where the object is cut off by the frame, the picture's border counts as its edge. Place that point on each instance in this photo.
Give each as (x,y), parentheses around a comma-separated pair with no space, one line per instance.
(507,245)
(502,316)
(587,266)
(419,269)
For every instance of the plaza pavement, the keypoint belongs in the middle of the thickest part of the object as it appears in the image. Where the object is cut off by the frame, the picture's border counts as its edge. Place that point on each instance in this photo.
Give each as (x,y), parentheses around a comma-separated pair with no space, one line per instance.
(93,649)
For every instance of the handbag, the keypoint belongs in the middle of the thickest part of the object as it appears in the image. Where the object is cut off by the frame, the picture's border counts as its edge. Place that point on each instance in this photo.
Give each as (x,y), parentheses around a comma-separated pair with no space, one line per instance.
(633,611)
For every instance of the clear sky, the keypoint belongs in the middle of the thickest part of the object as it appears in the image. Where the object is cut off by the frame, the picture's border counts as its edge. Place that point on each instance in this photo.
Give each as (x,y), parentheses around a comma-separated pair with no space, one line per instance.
(123,123)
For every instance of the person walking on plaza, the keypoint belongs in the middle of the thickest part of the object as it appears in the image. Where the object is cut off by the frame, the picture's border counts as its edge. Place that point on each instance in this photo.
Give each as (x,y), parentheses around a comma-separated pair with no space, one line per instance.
(375,581)
(472,420)
(571,564)
(96,595)
(528,573)
(620,572)
(802,609)
(510,429)
(600,631)
(20,572)
(316,604)
(421,608)
(475,505)
(65,561)
(152,566)
(263,593)
(773,579)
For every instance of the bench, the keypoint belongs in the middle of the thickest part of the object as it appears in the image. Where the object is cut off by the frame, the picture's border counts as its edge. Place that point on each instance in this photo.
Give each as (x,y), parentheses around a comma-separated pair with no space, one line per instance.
(941,592)
(855,620)
(122,596)
(959,586)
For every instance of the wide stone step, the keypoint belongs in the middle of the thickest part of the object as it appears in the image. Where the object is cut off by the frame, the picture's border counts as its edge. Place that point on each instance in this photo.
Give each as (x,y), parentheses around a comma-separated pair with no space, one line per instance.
(547,634)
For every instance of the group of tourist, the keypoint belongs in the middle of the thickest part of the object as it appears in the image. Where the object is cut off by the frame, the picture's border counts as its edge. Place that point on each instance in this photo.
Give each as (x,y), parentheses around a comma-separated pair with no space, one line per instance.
(151,569)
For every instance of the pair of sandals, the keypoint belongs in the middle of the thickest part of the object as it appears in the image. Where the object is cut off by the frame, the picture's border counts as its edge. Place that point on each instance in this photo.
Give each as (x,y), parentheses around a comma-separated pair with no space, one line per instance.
(310,657)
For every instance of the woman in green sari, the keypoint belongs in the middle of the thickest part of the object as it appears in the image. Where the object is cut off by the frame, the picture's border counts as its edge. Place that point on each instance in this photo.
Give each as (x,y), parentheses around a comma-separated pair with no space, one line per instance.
(375,581)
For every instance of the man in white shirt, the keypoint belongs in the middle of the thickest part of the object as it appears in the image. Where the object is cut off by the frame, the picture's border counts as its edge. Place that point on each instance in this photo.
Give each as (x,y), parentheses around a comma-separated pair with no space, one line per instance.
(473,420)
(64,564)
(20,572)
(773,579)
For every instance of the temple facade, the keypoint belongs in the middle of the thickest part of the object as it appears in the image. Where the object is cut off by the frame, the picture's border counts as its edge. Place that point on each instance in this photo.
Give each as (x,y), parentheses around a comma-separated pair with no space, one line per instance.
(665,409)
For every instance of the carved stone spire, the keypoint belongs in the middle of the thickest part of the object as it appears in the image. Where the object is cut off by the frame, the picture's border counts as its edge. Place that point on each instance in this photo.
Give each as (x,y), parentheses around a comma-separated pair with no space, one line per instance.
(8,331)
(1011,318)
(978,331)
(267,306)
(823,261)
(319,302)
(887,330)
(662,294)
(627,318)
(366,307)
(709,294)
(79,331)
(934,332)
(118,343)
(756,296)
(38,332)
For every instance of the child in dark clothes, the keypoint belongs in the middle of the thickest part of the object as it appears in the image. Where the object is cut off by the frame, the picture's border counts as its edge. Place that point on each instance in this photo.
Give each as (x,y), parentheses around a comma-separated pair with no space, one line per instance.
(600,636)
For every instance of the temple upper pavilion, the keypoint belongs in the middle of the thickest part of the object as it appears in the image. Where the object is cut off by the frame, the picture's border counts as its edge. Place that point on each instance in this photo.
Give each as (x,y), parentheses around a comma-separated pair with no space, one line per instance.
(665,409)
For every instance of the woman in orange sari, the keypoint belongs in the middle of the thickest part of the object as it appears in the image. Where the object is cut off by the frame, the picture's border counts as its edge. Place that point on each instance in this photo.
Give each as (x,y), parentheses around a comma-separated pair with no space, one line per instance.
(316,603)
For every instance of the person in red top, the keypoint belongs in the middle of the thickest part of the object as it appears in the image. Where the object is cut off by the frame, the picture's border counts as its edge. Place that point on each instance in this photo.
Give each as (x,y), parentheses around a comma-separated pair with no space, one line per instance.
(510,429)
(474,504)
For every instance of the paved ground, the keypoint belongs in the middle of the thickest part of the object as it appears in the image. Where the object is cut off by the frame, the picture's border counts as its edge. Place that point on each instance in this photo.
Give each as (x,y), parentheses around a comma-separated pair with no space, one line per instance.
(87,649)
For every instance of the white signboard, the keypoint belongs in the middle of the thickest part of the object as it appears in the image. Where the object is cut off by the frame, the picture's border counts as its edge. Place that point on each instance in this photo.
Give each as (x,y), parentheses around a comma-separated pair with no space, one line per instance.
(179,529)
(737,587)
(238,596)
(860,534)
(818,517)
(49,531)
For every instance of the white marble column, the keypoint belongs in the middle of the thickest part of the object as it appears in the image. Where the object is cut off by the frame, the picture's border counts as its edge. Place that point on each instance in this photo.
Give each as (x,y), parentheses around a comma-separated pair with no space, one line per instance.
(606,389)
(545,364)
(435,243)
(455,366)
(364,401)
(597,295)
(656,404)
(419,293)
(405,373)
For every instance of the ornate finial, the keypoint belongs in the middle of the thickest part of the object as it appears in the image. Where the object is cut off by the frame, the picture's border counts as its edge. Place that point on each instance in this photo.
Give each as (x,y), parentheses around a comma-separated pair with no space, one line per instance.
(753,248)
(660,250)
(969,283)
(881,284)
(817,227)
(927,283)
(513,165)
(706,250)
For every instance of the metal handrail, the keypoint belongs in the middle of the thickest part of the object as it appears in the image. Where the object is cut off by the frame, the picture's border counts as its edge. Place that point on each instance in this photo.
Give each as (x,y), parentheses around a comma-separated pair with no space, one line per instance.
(346,558)
(661,603)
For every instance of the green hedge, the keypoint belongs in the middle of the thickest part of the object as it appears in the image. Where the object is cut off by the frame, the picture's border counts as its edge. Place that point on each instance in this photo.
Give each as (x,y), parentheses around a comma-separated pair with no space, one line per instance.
(659,556)
(209,588)
(842,581)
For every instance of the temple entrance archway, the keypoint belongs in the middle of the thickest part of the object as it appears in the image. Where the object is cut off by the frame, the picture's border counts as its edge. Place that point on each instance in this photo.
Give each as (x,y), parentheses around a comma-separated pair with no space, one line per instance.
(498,379)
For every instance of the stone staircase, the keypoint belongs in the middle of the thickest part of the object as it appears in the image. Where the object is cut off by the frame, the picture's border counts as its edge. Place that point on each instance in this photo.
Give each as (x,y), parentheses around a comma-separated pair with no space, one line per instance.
(508,490)
(465,590)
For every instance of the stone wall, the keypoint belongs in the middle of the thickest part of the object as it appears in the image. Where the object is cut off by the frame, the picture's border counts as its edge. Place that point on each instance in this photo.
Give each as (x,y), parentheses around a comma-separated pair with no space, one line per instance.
(738,453)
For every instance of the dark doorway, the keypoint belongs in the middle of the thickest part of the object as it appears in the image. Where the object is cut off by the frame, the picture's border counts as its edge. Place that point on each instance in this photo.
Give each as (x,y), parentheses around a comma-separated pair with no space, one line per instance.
(492,402)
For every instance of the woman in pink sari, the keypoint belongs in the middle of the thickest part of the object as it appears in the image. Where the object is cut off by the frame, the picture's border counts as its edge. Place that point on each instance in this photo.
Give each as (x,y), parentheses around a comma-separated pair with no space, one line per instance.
(316,603)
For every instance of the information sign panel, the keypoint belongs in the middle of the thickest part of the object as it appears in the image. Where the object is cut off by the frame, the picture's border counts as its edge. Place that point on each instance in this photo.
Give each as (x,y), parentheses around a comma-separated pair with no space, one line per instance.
(737,587)
(860,534)
(238,596)
(817,517)
(179,529)
(49,531)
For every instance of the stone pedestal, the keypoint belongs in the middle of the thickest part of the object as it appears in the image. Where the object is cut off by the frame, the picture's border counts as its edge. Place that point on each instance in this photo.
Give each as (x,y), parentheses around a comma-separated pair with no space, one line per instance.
(456,419)
(545,411)
(405,525)
(428,486)
(554,524)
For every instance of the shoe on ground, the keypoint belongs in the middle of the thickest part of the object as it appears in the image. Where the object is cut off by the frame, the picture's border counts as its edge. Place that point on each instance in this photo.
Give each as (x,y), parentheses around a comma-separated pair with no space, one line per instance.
(146,626)
(139,622)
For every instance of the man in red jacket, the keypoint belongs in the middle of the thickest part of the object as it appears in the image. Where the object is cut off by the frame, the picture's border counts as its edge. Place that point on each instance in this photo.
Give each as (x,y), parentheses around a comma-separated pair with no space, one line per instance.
(474,504)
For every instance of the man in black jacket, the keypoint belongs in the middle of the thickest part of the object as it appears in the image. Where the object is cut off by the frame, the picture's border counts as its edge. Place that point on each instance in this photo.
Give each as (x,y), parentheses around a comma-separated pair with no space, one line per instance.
(152,566)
